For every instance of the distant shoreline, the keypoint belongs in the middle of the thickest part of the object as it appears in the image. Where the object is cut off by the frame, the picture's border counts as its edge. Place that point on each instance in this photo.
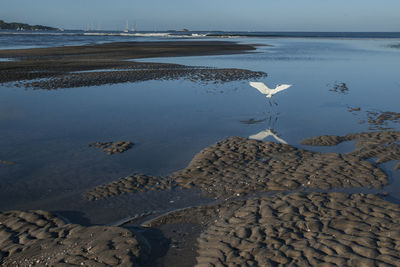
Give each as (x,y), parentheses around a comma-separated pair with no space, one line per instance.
(130,50)
(223,34)
(18,26)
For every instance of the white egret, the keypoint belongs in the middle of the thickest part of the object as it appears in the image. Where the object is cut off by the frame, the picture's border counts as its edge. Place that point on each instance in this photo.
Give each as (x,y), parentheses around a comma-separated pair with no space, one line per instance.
(260,86)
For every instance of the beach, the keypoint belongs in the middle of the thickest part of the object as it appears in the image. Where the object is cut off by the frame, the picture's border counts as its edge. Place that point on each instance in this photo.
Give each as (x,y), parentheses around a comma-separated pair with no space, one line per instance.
(242,229)
(139,154)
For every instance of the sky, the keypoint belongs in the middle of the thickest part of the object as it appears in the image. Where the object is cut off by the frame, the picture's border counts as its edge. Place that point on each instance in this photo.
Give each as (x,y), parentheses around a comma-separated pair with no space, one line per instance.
(227,15)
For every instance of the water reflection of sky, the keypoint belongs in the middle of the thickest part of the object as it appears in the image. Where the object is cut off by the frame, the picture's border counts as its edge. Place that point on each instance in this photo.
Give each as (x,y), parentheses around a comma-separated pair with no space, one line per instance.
(368,67)
(170,121)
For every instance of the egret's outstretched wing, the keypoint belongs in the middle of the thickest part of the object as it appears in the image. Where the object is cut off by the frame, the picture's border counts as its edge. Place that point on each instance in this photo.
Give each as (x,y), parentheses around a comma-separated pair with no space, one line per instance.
(281,88)
(260,87)
(277,138)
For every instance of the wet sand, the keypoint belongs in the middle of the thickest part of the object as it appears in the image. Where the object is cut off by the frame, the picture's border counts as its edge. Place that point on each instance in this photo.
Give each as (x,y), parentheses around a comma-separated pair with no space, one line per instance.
(61,67)
(383,146)
(194,74)
(239,166)
(113,147)
(304,230)
(242,228)
(377,120)
(39,238)
(130,184)
(333,229)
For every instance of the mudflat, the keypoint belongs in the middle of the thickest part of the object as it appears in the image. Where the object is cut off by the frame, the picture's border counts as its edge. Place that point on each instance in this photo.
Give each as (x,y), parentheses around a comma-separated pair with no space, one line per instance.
(239,166)
(241,228)
(62,67)
(270,204)
(39,238)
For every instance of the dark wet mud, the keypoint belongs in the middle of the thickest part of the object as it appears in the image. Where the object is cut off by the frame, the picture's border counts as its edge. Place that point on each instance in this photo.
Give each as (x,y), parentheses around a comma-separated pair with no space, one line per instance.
(304,230)
(340,87)
(39,238)
(382,146)
(113,77)
(239,166)
(376,120)
(243,228)
(130,184)
(113,147)
(74,66)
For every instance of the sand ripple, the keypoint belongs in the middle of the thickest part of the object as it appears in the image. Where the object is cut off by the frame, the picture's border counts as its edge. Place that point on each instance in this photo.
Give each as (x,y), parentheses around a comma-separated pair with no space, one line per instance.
(130,184)
(304,229)
(238,166)
(382,146)
(113,147)
(38,238)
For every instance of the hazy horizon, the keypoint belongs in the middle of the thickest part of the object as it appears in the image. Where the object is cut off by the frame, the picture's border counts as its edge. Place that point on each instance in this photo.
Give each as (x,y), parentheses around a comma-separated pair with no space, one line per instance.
(257,15)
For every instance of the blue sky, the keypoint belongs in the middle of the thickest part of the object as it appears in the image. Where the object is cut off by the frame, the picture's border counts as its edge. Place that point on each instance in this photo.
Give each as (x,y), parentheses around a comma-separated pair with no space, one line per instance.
(252,15)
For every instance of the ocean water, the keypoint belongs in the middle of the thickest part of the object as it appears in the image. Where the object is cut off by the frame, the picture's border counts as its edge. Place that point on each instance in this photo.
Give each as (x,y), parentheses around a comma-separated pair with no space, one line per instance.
(46,133)
(29,39)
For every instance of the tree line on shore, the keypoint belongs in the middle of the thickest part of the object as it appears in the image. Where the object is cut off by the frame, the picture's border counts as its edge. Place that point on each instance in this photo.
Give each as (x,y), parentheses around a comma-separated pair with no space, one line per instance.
(23,26)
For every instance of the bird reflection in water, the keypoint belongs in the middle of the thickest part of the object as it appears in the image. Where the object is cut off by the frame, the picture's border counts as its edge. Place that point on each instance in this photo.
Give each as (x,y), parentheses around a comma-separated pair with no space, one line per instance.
(268,132)
(269,93)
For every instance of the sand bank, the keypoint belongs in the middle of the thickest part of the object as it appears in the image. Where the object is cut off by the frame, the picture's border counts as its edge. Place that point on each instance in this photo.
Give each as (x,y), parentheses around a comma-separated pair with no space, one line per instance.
(39,238)
(110,148)
(333,229)
(58,65)
(130,184)
(241,228)
(382,146)
(238,166)
(304,230)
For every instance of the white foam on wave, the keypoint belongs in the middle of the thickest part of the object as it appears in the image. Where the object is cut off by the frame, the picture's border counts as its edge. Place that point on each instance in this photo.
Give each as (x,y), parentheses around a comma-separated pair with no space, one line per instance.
(149,34)
(131,34)
(127,34)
